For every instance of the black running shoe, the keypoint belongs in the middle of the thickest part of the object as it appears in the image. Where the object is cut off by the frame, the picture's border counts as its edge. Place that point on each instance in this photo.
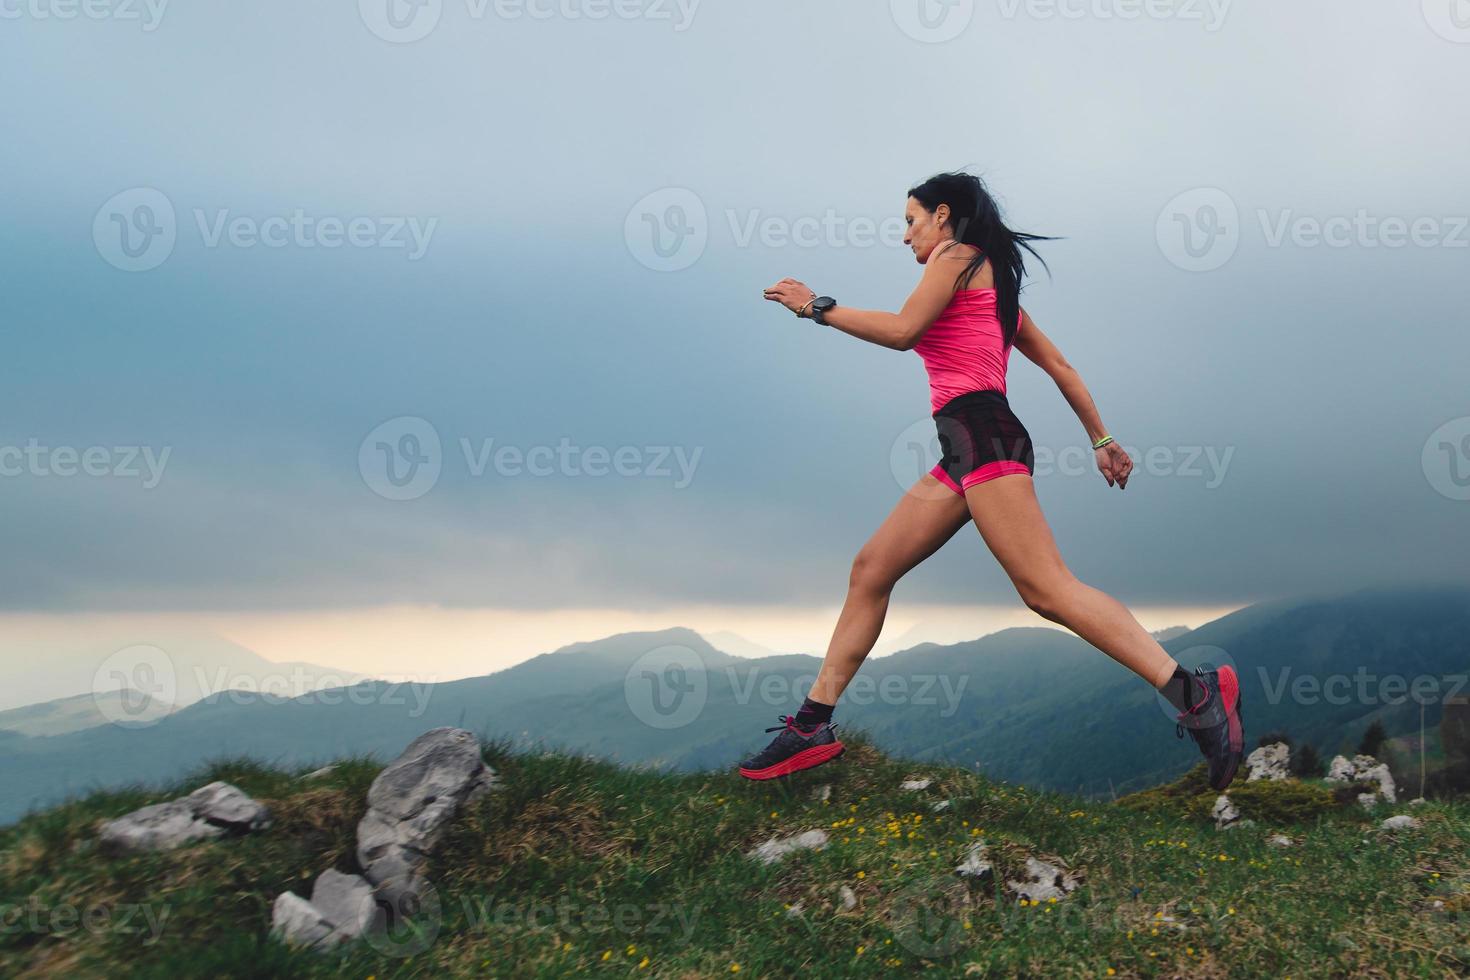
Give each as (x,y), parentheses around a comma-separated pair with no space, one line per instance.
(1215,723)
(793,750)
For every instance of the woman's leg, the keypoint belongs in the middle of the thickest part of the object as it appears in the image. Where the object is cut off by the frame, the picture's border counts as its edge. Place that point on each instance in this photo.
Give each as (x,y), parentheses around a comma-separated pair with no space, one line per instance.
(1009,517)
(927,516)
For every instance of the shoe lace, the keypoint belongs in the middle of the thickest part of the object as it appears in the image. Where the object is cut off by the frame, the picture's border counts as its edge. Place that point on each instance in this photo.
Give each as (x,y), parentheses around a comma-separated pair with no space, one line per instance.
(789,721)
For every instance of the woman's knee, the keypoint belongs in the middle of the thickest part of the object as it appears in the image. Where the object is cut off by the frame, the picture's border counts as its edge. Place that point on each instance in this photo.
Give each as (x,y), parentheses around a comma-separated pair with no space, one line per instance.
(1047,595)
(870,573)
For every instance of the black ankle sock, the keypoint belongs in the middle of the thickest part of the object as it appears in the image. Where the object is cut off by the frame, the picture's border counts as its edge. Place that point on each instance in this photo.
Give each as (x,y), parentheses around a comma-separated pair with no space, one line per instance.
(813,713)
(1183,690)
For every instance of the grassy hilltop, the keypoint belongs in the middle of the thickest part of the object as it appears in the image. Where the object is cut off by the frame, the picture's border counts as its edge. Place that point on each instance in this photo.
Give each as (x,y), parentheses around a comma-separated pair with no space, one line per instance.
(579,867)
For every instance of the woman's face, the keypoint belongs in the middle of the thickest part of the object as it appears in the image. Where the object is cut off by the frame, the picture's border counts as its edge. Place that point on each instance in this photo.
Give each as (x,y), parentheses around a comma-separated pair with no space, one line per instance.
(925,230)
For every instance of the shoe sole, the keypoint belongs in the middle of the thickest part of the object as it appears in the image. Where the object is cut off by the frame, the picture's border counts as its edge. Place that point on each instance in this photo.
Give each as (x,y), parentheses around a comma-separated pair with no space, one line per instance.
(1230,694)
(805,759)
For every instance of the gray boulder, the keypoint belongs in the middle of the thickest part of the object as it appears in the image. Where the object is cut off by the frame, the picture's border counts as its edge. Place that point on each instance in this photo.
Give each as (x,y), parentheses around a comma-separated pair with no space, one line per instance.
(1224,812)
(1271,762)
(208,812)
(1364,769)
(976,863)
(342,908)
(409,805)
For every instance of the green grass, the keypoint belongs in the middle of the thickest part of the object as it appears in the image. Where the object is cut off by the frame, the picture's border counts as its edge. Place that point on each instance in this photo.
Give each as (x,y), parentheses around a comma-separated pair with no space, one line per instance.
(577,866)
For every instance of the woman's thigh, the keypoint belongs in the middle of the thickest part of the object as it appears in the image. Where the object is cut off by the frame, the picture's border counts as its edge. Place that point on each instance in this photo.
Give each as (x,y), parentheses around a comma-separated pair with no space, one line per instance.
(925,517)
(1009,518)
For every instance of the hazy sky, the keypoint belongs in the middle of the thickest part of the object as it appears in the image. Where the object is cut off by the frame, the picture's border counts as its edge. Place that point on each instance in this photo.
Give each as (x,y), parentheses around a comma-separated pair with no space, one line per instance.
(254,255)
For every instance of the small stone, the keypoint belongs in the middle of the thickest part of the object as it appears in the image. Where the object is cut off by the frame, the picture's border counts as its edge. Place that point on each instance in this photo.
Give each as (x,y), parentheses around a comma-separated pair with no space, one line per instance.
(976,863)
(940,806)
(319,773)
(795,911)
(1043,881)
(822,793)
(1401,822)
(1417,801)
(1367,800)
(1224,812)
(916,784)
(847,898)
(1280,840)
(777,848)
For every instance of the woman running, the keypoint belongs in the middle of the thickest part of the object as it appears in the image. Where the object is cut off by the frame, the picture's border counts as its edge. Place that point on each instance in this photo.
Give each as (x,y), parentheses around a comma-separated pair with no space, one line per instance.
(963,319)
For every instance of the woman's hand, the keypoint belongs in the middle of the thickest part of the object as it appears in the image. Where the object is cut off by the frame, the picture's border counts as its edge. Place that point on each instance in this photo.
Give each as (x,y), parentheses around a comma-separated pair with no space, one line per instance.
(1114,464)
(791,294)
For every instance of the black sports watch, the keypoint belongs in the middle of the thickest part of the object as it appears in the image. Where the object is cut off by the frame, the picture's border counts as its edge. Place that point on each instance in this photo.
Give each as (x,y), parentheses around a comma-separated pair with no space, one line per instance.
(821,305)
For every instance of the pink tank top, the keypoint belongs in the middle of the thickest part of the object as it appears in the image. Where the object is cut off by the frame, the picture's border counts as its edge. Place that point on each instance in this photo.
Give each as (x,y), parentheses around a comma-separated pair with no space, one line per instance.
(965,350)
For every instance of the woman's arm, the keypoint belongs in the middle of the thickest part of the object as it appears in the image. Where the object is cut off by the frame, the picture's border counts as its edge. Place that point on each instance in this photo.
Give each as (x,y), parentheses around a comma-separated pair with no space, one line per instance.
(897,331)
(1038,348)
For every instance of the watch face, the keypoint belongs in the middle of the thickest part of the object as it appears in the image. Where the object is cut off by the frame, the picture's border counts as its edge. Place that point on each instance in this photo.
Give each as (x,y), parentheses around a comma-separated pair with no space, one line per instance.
(823,303)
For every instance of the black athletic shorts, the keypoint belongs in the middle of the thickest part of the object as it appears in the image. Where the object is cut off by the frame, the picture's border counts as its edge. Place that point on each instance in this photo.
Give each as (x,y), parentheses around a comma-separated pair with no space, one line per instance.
(980,438)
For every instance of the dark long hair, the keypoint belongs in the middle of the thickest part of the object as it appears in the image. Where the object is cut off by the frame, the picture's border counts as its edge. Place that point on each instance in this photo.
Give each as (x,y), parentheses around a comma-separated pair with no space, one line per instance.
(975,220)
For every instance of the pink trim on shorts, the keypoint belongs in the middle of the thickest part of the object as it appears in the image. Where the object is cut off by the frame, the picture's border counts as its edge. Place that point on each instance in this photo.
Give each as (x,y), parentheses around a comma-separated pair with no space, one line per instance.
(984,474)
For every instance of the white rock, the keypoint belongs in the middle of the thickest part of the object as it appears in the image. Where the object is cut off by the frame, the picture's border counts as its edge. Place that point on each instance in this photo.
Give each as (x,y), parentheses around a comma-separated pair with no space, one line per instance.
(940,806)
(1224,812)
(847,898)
(1271,762)
(319,773)
(777,848)
(1043,881)
(822,793)
(1280,840)
(1367,800)
(795,911)
(1401,822)
(296,922)
(916,784)
(1417,801)
(976,863)
(1363,769)
(208,812)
